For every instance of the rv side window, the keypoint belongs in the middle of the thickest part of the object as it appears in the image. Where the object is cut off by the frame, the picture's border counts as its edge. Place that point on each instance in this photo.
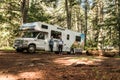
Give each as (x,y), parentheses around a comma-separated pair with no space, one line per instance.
(78,38)
(41,36)
(68,36)
(28,34)
(44,26)
(55,34)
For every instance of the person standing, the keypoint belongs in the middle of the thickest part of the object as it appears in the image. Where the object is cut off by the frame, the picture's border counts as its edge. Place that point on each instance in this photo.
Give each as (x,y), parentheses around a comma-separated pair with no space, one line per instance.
(74,45)
(51,44)
(60,46)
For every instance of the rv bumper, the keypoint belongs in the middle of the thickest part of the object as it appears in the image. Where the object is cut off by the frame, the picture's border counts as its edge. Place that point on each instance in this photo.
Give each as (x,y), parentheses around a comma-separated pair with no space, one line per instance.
(20,46)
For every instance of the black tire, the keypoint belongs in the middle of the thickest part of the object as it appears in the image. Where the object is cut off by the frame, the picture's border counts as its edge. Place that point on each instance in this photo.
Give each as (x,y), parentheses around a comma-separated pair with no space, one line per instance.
(68,53)
(31,49)
(19,50)
(72,51)
(56,52)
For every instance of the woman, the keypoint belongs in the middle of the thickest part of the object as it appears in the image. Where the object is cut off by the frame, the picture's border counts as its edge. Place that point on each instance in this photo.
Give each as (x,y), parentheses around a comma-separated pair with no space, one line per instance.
(60,46)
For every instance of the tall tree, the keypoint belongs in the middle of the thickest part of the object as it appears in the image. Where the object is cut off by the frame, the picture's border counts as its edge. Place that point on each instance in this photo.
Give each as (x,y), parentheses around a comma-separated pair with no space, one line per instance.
(78,16)
(86,9)
(112,21)
(68,7)
(24,10)
(86,19)
(118,21)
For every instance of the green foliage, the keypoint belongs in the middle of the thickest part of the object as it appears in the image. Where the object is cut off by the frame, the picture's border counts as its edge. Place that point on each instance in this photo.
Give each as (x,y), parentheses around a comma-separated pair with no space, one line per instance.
(91,43)
(111,24)
(7,48)
(54,12)
(10,19)
(36,13)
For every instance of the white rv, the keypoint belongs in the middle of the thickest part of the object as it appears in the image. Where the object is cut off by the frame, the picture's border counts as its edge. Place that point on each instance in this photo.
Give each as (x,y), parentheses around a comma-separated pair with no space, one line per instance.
(36,36)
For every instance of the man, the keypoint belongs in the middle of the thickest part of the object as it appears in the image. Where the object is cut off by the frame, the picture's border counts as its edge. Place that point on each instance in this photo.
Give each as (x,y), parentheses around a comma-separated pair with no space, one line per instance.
(51,44)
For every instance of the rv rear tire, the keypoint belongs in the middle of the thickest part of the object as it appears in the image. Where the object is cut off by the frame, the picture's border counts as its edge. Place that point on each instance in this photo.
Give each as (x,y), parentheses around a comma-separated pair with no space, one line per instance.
(72,51)
(31,49)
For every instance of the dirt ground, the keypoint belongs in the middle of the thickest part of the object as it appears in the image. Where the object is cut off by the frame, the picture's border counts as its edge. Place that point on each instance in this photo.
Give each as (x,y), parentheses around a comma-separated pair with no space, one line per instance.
(50,66)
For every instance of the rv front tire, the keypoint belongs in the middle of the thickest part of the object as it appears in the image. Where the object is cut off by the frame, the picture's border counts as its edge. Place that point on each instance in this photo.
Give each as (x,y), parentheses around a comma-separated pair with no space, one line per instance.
(31,49)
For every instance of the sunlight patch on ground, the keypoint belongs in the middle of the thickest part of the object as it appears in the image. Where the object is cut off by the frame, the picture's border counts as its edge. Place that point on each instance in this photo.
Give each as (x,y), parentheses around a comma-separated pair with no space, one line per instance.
(73,60)
(31,75)
(23,75)
(7,77)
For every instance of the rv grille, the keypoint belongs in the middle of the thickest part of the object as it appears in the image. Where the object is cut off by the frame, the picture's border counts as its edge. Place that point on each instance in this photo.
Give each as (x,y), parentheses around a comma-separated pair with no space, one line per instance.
(17,42)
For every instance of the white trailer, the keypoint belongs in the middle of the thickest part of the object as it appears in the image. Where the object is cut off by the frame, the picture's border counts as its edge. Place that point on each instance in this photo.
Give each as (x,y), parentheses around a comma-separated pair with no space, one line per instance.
(36,36)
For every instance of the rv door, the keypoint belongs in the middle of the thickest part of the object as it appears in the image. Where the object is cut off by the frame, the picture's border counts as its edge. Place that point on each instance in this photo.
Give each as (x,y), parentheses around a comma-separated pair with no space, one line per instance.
(40,42)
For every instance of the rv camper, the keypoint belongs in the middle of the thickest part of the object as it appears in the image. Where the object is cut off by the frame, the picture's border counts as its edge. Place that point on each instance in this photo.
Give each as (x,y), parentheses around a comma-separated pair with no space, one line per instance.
(36,36)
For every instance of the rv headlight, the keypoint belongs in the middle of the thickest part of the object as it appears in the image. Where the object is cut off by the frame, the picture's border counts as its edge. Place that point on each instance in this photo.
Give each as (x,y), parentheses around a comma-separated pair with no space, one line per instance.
(25,42)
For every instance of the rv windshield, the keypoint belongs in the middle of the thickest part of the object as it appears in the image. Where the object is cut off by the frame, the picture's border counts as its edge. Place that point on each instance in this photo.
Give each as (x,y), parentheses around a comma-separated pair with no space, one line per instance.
(29,34)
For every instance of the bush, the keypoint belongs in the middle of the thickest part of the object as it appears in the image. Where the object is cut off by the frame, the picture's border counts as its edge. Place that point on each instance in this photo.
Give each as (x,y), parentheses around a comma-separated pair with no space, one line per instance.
(6,48)
(93,52)
(109,54)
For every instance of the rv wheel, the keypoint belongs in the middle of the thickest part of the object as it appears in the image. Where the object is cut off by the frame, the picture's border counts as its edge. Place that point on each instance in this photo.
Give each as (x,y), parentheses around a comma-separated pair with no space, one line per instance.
(72,51)
(31,48)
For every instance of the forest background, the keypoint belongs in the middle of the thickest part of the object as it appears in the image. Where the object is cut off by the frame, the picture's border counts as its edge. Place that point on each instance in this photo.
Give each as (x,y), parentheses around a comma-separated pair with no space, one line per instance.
(98,19)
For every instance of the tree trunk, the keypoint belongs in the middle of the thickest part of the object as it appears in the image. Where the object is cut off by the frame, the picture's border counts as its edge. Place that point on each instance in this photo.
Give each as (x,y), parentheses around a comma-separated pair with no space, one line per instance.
(118,22)
(68,13)
(77,19)
(86,4)
(24,10)
(117,7)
